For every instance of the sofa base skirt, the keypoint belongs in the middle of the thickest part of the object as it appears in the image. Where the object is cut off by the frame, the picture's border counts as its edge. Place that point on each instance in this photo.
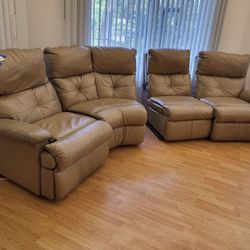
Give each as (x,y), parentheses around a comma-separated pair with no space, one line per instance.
(178,130)
(129,135)
(55,184)
(230,132)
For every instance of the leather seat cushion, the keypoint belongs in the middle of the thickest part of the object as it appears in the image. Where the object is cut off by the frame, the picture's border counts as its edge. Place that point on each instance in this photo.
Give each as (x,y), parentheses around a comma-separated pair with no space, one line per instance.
(229,109)
(181,108)
(222,101)
(117,112)
(64,123)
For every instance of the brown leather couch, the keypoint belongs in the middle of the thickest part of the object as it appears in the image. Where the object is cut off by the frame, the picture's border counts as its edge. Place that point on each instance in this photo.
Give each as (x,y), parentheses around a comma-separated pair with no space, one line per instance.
(99,82)
(172,111)
(220,82)
(43,149)
(49,151)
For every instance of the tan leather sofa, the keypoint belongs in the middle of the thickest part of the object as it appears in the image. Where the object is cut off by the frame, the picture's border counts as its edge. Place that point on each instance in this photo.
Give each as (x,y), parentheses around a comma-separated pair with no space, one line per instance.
(43,149)
(220,82)
(49,151)
(172,111)
(99,82)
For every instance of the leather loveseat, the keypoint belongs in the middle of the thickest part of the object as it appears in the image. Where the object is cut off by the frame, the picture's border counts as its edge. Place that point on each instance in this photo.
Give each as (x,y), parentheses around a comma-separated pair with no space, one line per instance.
(44,149)
(99,82)
(172,111)
(220,82)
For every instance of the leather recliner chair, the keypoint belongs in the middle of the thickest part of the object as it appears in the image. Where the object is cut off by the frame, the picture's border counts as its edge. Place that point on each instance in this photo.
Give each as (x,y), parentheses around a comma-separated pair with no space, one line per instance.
(43,149)
(172,111)
(99,82)
(220,82)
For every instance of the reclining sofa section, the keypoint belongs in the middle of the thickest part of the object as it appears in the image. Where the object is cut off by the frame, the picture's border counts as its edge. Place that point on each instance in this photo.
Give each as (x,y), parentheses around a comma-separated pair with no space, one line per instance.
(220,82)
(99,82)
(172,111)
(43,149)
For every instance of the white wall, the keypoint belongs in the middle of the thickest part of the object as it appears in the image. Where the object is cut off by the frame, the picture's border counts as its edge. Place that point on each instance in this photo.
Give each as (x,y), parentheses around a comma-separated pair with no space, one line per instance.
(46,23)
(235,32)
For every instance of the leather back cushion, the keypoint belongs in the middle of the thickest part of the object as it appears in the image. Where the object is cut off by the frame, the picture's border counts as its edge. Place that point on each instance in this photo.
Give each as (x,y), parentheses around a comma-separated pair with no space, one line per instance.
(222,64)
(168,61)
(22,69)
(75,89)
(115,86)
(67,61)
(221,74)
(169,85)
(30,105)
(212,86)
(114,60)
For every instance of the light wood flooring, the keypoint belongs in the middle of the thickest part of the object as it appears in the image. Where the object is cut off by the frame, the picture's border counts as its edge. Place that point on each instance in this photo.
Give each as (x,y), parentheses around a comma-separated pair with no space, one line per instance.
(184,195)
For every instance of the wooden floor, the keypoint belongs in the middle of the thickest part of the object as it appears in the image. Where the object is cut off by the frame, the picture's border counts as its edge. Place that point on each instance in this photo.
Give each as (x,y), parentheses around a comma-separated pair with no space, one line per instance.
(185,195)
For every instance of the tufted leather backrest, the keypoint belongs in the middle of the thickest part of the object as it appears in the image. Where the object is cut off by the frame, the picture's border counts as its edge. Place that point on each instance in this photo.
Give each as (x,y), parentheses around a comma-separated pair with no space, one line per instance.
(221,74)
(70,70)
(86,73)
(115,70)
(168,72)
(25,92)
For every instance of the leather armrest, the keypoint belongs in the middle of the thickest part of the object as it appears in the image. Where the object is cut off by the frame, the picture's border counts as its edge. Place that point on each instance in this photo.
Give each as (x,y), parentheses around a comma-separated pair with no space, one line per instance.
(23,131)
(245,95)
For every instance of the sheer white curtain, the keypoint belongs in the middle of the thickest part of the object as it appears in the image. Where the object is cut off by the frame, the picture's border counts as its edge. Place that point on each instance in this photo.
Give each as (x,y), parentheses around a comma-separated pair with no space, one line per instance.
(145,24)
(8,25)
(77,14)
(14,31)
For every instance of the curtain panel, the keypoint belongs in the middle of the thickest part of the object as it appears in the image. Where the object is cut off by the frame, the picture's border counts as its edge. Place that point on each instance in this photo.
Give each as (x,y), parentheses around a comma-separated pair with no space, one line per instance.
(8,25)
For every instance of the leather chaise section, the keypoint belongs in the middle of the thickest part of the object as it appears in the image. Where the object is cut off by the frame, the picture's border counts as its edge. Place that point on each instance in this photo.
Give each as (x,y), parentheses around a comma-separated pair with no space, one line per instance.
(172,111)
(221,79)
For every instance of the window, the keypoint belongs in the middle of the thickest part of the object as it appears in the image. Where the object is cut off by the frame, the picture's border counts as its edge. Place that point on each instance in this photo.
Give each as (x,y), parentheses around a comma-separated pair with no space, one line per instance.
(145,24)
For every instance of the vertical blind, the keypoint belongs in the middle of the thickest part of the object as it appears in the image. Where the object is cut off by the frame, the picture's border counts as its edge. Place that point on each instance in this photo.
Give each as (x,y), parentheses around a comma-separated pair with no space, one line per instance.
(144,24)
